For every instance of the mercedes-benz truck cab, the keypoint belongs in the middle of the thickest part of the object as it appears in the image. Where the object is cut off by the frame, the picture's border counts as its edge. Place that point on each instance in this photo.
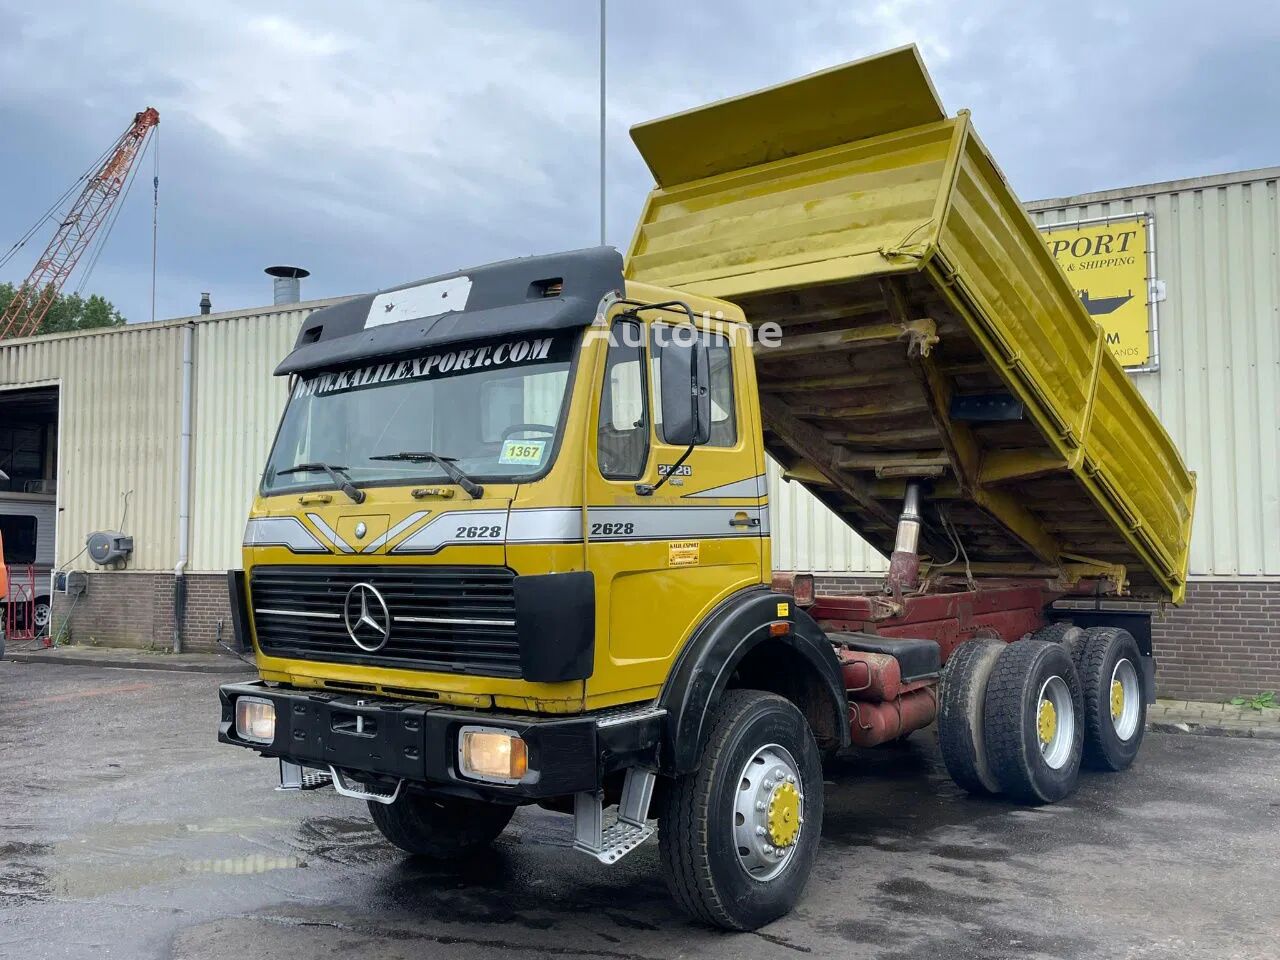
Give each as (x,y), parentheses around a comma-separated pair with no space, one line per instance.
(498,506)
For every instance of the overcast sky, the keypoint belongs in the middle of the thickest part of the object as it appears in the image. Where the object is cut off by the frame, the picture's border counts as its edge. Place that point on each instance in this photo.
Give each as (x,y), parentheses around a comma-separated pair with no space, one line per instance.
(376,143)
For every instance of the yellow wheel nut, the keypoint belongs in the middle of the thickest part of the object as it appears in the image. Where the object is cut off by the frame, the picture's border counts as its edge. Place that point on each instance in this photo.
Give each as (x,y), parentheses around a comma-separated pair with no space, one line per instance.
(784,815)
(1117,699)
(1046,721)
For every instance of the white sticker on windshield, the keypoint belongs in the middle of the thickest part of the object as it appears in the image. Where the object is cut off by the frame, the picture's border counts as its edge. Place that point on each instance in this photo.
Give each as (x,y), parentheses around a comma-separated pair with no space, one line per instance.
(523,452)
(424,300)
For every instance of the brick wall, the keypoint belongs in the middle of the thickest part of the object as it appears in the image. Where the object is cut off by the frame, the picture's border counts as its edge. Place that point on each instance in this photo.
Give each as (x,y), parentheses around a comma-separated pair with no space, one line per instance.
(1225,640)
(135,609)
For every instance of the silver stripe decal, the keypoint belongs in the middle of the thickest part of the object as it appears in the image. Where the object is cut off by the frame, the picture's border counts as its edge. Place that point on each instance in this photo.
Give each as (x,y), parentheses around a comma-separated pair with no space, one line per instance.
(754,487)
(435,535)
(281,532)
(329,532)
(545,525)
(297,613)
(395,531)
(479,623)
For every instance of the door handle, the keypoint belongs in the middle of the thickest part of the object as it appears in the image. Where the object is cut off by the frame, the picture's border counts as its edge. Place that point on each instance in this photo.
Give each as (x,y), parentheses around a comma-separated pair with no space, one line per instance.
(744,521)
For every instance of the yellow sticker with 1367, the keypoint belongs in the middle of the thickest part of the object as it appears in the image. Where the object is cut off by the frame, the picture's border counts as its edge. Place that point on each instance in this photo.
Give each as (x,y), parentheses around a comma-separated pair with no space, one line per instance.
(523,451)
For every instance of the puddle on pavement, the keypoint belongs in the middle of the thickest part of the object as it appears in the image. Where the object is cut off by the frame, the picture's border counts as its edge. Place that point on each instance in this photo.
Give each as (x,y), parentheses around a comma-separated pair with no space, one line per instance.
(242,866)
(114,857)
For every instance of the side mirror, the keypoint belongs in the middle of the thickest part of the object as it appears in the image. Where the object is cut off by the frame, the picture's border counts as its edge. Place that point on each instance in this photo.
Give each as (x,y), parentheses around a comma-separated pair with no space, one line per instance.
(686,396)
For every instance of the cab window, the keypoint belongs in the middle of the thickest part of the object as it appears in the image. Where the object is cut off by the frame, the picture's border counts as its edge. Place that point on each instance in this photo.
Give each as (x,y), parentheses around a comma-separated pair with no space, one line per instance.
(724,420)
(622,439)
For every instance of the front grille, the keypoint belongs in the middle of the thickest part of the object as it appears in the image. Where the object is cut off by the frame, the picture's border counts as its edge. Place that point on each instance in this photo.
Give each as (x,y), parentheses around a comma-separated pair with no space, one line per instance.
(451,619)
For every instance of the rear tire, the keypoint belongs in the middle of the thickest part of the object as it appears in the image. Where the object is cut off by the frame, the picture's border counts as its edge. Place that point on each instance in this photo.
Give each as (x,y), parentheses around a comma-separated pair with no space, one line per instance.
(1067,634)
(1033,717)
(960,715)
(720,868)
(439,827)
(1115,707)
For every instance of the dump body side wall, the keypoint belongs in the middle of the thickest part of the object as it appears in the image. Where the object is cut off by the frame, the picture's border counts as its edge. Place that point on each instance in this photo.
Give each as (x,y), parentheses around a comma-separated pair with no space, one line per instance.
(848,248)
(1027,317)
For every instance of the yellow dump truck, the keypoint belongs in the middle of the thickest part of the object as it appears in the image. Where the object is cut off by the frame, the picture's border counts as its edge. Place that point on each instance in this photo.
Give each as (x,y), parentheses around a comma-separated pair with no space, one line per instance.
(512,543)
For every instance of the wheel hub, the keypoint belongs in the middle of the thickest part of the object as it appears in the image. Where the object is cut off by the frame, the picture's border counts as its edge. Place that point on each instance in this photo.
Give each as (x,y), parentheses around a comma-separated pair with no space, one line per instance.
(768,812)
(1126,699)
(1055,722)
(1047,722)
(784,815)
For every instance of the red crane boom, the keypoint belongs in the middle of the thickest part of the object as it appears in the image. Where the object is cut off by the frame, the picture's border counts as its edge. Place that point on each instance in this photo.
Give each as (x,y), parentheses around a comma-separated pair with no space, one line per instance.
(37,293)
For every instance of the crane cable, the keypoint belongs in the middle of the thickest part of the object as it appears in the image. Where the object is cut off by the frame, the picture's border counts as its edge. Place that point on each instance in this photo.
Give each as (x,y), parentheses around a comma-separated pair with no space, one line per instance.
(155,217)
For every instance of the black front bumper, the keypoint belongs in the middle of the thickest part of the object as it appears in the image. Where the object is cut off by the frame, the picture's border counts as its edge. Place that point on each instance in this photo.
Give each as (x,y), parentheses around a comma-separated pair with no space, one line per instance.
(418,742)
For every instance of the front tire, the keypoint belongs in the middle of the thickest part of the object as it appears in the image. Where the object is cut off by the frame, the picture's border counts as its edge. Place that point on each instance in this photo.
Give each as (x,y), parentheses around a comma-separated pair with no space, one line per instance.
(1115,707)
(739,835)
(1033,717)
(439,827)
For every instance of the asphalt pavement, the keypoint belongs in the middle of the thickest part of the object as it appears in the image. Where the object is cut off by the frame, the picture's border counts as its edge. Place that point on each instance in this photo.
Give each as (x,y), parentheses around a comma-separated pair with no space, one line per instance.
(127,831)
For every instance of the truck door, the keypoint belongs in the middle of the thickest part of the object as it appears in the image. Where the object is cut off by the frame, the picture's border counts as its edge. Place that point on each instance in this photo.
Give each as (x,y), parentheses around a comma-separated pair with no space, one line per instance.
(663,561)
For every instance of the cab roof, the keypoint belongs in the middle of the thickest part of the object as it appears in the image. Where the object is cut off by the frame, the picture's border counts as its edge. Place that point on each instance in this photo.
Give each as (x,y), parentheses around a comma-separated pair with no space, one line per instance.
(528,295)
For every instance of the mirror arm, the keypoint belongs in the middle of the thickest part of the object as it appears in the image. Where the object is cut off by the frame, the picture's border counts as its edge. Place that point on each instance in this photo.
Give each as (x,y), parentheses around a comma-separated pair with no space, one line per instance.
(648,490)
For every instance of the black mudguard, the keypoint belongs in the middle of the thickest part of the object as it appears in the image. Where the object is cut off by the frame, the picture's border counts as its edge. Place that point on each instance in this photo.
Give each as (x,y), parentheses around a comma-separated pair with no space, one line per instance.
(703,668)
(1137,622)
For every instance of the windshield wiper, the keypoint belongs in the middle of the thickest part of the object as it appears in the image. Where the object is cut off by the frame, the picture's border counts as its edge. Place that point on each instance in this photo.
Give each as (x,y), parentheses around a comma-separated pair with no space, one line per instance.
(445,463)
(337,474)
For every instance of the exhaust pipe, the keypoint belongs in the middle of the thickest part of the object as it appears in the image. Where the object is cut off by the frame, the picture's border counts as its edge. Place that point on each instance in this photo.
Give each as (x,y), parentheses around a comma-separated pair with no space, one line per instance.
(904,564)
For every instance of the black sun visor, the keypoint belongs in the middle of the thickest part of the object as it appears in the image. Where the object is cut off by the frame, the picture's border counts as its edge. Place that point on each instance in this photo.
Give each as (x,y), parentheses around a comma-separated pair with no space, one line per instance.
(513,298)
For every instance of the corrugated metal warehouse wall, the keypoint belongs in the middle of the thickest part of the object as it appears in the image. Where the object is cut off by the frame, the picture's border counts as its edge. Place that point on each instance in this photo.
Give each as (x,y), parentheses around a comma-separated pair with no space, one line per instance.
(120,412)
(1218,388)
(1217,391)
(237,405)
(119,427)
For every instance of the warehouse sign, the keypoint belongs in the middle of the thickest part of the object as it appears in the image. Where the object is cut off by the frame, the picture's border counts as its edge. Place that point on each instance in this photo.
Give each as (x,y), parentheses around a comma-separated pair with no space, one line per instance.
(1107,264)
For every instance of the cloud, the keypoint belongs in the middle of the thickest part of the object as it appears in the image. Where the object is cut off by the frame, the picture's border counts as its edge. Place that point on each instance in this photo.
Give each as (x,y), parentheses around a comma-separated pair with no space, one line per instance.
(379,143)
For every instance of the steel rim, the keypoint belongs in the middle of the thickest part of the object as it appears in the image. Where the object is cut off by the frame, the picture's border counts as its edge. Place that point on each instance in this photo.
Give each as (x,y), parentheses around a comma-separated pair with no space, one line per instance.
(1055,722)
(768,812)
(1125,699)
(41,615)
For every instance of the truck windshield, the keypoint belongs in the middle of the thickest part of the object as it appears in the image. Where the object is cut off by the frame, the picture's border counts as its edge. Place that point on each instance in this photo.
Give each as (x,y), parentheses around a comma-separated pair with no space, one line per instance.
(491,407)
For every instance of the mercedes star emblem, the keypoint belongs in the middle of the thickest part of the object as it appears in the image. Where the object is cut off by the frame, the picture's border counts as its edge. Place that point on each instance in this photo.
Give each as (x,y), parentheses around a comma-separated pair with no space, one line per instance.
(367,618)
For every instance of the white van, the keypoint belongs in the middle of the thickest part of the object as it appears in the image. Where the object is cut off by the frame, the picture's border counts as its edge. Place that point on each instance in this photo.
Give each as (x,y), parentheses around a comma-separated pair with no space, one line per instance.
(27,523)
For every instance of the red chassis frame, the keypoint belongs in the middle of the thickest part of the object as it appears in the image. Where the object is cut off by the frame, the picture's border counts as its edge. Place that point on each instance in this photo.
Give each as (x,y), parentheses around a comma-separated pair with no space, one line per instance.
(949,613)
(882,706)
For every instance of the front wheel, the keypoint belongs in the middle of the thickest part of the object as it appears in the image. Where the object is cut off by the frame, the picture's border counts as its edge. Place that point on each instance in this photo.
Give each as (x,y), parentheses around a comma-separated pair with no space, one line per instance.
(740,833)
(439,827)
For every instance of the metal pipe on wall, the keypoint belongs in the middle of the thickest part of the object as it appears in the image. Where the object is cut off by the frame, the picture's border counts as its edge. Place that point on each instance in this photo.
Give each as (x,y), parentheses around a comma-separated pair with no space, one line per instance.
(184,487)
